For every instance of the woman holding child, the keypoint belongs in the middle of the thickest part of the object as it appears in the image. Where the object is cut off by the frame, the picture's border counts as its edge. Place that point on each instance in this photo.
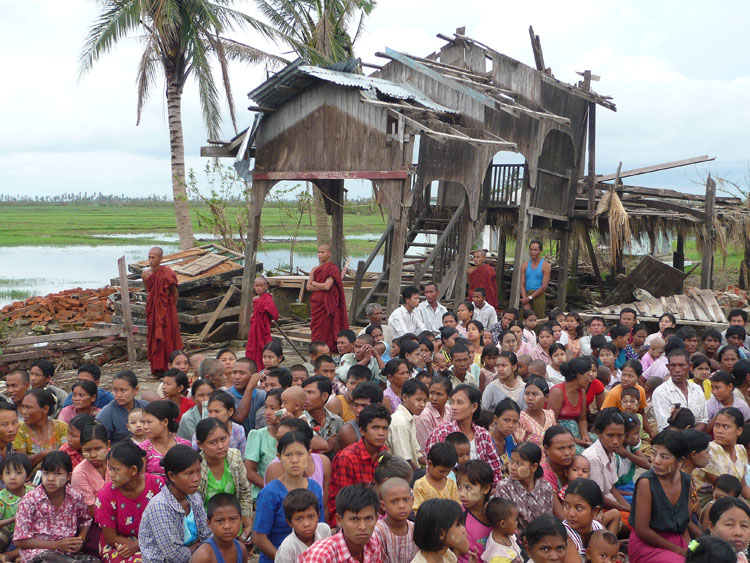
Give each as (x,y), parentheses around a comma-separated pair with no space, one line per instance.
(568,400)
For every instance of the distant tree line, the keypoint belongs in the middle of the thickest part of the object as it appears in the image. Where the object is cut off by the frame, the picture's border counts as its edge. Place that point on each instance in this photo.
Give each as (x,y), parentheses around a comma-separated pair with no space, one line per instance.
(361,206)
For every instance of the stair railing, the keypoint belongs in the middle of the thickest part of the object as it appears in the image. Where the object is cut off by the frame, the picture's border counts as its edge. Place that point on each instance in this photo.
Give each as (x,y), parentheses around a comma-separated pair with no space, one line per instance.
(445,248)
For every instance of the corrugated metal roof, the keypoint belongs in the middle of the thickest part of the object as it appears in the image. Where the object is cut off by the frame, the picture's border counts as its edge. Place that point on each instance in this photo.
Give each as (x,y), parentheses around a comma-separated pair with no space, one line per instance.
(297,77)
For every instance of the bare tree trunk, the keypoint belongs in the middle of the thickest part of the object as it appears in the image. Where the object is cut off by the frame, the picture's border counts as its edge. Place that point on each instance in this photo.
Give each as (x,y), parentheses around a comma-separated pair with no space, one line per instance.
(177,149)
(322,227)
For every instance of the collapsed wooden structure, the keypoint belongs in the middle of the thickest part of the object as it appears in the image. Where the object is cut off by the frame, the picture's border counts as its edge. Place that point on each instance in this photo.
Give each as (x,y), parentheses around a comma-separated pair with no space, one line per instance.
(426,131)
(451,110)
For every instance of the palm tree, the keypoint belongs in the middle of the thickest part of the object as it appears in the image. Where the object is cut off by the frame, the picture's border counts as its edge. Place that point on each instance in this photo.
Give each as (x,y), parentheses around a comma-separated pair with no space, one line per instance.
(180,38)
(318,32)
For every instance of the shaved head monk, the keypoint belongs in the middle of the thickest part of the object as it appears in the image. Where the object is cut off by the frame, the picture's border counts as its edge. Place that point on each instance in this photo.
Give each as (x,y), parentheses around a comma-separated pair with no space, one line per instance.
(161,312)
(264,312)
(327,303)
(483,275)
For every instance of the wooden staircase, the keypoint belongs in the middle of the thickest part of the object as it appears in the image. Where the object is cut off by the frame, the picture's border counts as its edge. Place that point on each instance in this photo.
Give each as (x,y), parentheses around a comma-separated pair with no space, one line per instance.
(432,240)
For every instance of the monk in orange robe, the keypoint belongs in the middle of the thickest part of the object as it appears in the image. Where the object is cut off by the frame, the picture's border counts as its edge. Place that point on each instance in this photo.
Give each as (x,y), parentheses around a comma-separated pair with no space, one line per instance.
(483,275)
(161,312)
(264,312)
(327,302)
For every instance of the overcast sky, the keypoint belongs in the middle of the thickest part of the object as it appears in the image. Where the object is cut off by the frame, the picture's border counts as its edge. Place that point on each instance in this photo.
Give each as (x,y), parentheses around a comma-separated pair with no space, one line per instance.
(678,73)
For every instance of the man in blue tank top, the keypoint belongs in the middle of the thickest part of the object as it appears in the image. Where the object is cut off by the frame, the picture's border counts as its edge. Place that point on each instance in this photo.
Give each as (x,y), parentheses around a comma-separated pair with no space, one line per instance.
(534,280)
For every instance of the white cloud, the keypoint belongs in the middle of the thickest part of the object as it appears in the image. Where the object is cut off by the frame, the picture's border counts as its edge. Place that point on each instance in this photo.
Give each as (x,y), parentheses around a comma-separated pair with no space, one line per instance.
(678,77)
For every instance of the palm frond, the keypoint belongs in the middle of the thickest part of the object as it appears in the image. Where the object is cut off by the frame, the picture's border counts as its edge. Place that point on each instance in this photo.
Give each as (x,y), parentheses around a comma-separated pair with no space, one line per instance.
(114,24)
(207,91)
(239,52)
(148,70)
(221,55)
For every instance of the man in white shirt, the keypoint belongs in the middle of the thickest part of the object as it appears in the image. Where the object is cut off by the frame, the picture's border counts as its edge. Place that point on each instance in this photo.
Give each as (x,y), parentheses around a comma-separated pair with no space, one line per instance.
(430,310)
(596,326)
(406,319)
(678,392)
(483,311)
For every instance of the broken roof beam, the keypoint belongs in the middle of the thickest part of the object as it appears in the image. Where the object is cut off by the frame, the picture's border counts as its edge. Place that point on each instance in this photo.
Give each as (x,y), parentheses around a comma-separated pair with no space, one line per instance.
(656,168)
(510,106)
(591,96)
(456,136)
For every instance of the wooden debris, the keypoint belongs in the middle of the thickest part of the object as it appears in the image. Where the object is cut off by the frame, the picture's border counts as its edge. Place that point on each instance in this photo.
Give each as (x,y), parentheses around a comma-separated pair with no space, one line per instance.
(698,307)
(651,275)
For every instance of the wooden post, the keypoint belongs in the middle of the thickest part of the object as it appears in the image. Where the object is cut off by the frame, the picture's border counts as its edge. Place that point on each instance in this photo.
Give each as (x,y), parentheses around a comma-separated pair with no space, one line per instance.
(259,193)
(592,161)
(521,236)
(336,193)
(464,246)
(127,317)
(595,265)
(745,268)
(502,243)
(678,258)
(563,269)
(397,248)
(354,305)
(707,261)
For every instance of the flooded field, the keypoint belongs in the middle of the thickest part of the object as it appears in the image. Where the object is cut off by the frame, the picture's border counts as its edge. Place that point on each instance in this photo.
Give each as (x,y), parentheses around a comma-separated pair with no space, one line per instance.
(38,270)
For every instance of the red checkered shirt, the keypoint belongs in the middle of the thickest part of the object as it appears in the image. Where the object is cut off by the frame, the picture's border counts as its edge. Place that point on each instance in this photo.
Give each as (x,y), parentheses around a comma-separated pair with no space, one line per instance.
(486,450)
(333,549)
(351,465)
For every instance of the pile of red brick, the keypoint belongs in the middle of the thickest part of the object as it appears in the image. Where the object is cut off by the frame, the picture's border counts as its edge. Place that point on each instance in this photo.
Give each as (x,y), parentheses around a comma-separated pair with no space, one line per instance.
(67,309)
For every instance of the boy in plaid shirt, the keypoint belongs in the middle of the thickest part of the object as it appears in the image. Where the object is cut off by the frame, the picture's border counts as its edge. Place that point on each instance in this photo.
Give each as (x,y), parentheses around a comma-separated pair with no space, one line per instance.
(356,515)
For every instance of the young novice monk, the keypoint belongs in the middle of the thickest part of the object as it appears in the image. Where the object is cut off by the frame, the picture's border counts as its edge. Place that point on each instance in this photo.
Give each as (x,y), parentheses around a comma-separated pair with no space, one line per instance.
(302,514)
(395,531)
(224,520)
(264,313)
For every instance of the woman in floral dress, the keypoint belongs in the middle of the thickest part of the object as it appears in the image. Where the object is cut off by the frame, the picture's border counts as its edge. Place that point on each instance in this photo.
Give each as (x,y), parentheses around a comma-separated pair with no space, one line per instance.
(120,504)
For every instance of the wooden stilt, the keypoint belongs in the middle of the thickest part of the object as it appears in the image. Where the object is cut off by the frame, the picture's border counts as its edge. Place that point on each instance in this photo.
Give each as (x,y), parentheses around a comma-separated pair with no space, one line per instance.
(564,269)
(502,243)
(259,193)
(398,243)
(707,260)
(521,237)
(592,160)
(595,265)
(337,222)
(465,241)
(678,257)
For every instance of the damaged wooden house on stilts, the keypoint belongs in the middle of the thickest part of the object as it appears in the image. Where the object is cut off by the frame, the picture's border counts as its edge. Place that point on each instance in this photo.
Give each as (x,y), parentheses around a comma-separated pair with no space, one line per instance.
(431,133)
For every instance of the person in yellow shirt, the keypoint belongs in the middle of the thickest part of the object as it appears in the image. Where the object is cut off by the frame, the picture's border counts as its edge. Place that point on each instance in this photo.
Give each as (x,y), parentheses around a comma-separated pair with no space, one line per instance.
(435,484)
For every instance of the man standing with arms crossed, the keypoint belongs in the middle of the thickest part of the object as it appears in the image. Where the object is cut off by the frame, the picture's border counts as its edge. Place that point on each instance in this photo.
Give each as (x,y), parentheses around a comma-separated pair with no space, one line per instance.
(327,303)
(163,328)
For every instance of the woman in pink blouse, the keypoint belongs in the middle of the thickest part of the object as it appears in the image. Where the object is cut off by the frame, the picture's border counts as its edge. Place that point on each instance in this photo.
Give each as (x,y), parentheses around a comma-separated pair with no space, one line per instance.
(437,412)
(90,475)
(160,420)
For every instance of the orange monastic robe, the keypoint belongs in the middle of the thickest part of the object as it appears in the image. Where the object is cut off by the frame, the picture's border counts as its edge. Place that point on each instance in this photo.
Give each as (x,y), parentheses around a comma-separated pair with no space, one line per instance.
(264,311)
(328,308)
(161,318)
(484,276)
